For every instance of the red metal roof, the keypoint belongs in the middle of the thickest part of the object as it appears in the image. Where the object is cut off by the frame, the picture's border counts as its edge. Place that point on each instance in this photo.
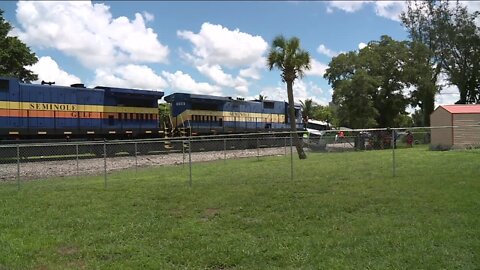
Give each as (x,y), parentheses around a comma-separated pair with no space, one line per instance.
(461,108)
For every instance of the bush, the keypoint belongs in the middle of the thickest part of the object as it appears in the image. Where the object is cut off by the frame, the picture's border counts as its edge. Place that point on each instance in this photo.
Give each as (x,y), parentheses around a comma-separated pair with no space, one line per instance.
(439,147)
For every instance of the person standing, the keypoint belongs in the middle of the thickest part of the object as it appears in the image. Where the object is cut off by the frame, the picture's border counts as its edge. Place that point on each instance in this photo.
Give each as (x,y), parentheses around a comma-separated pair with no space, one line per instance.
(409,139)
(341,136)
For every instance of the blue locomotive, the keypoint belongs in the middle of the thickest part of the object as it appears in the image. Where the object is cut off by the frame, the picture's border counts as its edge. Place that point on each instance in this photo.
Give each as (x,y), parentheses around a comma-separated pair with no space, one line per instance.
(205,114)
(47,111)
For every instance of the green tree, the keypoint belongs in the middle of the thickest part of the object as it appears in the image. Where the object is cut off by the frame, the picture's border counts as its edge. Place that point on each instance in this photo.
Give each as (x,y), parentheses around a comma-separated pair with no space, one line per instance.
(385,61)
(368,85)
(14,55)
(417,119)
(307,109)
(422,74)
(355,101)
(262,97)
(425,62)
(287,56)
(453,39)
(323,113)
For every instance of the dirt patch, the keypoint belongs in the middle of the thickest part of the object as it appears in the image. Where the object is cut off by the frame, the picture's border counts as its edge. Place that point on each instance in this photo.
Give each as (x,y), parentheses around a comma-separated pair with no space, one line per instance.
(209,214)
(67,250)
(177,212)
(77,264)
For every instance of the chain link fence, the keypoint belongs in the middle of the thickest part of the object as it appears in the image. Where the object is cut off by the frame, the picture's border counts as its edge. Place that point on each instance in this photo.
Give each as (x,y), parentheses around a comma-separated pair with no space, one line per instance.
(26,162)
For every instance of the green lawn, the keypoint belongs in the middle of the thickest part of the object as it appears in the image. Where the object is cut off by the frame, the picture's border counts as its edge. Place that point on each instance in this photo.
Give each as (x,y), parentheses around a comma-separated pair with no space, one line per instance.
(341,211)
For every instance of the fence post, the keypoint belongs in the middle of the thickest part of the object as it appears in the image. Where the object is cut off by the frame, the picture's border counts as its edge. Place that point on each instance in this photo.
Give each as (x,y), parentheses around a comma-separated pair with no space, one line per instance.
(291,157)
(393,151)
(105,162)
(18,167)
(183,153)
(76,154)
(136,158)
(190,159)
(285,145)
(225,150)
(258,151)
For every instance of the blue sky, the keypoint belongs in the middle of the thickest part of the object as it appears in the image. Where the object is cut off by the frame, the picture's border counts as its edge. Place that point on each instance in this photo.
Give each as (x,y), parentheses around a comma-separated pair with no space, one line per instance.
(214,47)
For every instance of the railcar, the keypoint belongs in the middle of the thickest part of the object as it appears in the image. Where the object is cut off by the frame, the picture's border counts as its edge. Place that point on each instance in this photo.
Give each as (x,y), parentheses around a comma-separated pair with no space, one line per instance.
(206,114)
(34,111)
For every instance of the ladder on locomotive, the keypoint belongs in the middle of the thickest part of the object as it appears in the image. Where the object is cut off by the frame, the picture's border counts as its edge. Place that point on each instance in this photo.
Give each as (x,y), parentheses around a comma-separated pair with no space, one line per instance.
(183,130)
(168,131)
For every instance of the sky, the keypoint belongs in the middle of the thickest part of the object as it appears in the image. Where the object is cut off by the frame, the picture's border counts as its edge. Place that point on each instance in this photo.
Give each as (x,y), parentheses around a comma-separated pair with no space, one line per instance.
(201,47)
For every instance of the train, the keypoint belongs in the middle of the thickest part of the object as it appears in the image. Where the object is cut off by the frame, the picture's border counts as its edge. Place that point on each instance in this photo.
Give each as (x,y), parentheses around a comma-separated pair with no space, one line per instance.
(206,114)
(48,111)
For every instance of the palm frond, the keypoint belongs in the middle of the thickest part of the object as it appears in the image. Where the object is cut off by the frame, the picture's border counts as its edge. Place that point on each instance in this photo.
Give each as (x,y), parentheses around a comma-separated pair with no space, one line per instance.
(287,56)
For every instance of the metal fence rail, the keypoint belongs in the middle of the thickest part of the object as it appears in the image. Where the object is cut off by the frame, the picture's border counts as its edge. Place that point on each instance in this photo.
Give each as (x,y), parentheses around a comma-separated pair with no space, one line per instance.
(22,162)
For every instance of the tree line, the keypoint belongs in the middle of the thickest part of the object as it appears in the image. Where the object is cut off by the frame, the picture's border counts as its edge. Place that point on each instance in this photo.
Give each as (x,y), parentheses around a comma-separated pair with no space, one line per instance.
(373,86)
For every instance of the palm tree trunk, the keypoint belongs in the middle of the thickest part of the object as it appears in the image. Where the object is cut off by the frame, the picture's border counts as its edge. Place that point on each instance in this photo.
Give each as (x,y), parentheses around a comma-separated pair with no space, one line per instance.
(293,124)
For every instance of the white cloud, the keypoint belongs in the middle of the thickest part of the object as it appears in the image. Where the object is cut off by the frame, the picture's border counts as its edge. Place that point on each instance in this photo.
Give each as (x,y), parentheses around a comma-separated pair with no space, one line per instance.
(362,45)
(310,90)
(390,9)
(301,91)
(133,76)
(347,6)
(216,47)
(471,5)
(253,71)
(183,82)
(387,9)
(88,32)
(317,68)
(148,16)
(49,71)
(216,74)
(322,49)
(215,44)
(278,93)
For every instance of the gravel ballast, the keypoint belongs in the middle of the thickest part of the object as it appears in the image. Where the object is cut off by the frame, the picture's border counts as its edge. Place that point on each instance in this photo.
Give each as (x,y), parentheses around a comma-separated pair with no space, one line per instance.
(93,166)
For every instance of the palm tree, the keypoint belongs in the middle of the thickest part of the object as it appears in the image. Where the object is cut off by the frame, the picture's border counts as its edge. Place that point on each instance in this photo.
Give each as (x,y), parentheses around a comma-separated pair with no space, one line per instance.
(287,56)
(307,109)
(262,97)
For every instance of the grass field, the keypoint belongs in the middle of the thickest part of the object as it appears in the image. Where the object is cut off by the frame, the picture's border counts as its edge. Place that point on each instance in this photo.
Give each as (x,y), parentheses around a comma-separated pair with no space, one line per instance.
(341,211)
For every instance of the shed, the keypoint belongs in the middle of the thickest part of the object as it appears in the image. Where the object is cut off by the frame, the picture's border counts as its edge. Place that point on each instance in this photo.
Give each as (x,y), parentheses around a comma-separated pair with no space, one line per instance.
(455,126)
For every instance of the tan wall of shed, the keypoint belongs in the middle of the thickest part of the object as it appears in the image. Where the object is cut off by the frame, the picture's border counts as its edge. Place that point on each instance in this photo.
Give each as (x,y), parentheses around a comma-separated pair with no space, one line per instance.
(441,136)
(464,135)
